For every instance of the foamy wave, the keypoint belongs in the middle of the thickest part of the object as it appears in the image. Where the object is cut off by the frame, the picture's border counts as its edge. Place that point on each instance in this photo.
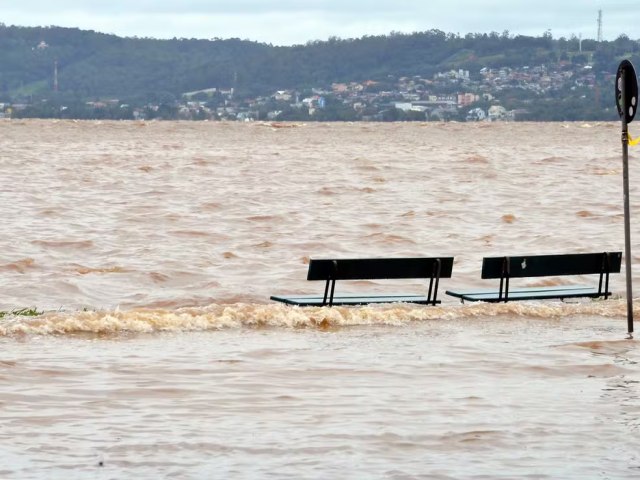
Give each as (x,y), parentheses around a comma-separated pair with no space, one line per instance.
(236,316)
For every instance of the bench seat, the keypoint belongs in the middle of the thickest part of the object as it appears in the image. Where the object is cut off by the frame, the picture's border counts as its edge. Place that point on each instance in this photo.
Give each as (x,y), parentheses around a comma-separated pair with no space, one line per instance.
(530,293)
(529,266)
(332,270)
(319,301)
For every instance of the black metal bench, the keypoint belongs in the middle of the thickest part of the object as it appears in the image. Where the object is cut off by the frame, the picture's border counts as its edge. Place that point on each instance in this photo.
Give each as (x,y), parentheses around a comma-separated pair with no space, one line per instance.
(372,269)
(506,268)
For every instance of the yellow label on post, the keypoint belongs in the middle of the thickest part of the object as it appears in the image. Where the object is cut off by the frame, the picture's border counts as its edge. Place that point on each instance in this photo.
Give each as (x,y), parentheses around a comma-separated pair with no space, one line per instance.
(633,141)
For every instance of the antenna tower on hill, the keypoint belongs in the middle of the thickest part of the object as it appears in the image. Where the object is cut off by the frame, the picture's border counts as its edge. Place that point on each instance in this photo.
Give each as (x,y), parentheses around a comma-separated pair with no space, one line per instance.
(580,42)
(55,75)
(599,25)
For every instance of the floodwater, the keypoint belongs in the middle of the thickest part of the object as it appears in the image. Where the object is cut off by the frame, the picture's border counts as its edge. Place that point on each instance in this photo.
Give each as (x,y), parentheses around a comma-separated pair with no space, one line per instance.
(153,249)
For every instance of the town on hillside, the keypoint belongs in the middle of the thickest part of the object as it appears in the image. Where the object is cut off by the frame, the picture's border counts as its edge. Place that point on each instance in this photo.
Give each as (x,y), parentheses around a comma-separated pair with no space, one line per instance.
(490,94)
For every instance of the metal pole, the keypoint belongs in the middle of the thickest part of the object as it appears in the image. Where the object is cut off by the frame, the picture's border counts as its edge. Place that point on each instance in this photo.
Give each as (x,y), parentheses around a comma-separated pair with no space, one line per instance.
(627,220)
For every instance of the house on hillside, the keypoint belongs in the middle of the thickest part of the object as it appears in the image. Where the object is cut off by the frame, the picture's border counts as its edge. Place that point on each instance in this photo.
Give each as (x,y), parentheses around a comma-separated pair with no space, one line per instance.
(497,112)
(476,115)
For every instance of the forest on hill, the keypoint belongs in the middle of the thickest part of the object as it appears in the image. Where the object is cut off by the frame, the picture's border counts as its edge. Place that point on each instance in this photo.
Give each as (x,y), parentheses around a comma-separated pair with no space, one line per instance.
(90,66)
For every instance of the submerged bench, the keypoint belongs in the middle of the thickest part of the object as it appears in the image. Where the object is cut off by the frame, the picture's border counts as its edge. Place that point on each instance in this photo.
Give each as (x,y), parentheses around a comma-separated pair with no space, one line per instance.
(331,270)
(506,268)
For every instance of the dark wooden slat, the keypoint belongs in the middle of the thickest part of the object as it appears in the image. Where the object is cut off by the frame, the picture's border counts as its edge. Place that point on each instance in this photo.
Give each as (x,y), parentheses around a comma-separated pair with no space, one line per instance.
(377,268)
(550,265)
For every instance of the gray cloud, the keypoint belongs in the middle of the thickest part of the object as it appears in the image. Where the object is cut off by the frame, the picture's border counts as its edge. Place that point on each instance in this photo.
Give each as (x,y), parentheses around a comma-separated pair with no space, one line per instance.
(297,21)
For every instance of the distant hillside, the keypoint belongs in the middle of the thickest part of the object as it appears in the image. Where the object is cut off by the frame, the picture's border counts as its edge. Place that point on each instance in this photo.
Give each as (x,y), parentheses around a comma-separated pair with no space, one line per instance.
(428,75)
(94,65)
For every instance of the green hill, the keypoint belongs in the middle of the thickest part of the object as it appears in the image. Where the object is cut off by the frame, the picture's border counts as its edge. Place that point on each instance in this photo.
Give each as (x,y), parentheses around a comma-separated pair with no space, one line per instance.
(94,65)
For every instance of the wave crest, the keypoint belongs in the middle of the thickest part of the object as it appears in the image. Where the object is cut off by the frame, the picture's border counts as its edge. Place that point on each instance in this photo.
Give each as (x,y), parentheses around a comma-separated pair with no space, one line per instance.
(239,315)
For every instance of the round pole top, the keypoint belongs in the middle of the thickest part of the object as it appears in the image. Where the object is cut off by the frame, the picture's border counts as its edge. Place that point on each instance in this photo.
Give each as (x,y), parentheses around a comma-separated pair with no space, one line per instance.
(626,91)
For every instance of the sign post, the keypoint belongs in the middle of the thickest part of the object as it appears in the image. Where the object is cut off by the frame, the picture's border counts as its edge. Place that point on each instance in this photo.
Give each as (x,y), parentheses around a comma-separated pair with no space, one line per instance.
(627,103)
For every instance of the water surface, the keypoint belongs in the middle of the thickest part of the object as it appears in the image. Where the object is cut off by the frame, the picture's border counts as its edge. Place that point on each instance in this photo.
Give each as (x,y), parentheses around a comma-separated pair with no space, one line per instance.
(154,247)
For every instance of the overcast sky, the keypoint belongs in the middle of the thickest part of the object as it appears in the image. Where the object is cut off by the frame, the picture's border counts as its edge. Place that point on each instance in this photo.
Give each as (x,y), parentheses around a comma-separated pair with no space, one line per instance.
(288,22)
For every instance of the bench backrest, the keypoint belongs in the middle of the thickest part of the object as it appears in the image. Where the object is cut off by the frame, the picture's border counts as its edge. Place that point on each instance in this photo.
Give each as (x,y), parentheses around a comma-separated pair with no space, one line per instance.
(552,265)
(378,268)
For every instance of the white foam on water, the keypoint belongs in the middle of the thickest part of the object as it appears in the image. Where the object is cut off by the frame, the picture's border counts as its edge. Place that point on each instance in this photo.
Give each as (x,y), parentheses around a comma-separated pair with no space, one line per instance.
(239,315)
